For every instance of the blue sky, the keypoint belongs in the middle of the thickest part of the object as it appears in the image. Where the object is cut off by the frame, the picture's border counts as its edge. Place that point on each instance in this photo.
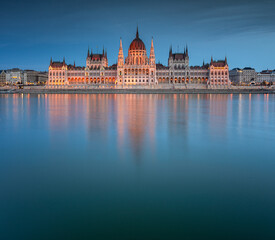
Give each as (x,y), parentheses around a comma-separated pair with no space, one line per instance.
(32,31)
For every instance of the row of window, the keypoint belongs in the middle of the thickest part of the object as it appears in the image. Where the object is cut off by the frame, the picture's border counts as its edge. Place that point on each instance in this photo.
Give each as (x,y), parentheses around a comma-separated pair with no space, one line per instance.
(219,73)
(58,81)
(219,78)
(57,73)
(133,80)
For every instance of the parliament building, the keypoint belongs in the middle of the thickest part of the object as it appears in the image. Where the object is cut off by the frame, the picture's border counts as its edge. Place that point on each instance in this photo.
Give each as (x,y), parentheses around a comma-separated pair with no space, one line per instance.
(138,69)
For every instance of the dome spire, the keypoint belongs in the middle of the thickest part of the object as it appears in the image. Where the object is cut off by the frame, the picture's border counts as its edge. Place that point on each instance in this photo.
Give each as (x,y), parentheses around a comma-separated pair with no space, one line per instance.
(137,35)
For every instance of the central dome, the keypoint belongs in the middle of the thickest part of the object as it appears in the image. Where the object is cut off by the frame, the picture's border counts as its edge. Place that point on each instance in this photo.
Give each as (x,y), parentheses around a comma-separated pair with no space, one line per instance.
(137,43)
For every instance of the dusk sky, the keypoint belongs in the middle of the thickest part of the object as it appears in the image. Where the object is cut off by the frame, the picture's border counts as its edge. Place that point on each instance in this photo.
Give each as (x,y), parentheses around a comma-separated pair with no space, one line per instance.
(34,31)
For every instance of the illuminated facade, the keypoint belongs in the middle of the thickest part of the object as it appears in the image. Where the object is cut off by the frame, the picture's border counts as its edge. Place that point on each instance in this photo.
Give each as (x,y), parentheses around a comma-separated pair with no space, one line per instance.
(138,69)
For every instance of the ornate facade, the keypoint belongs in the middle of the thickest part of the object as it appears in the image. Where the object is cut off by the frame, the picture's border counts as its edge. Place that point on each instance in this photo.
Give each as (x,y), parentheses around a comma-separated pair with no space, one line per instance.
(138,69)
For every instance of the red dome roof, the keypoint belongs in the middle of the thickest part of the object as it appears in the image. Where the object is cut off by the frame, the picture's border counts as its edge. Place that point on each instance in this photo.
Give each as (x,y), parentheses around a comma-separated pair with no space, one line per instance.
(137,43)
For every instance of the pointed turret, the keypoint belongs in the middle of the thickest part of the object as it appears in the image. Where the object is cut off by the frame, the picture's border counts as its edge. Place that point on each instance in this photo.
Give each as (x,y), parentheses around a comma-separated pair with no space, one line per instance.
(152,58)
(88,54)
(170,51)
(63,60)
(212,60)
(225,60)
(137,35)
(186,50)
(203,63)
(51,62)
(120,61)
(74,63)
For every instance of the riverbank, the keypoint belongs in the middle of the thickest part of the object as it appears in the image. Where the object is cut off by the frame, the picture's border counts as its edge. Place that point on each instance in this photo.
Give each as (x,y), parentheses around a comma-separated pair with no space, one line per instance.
(231,90)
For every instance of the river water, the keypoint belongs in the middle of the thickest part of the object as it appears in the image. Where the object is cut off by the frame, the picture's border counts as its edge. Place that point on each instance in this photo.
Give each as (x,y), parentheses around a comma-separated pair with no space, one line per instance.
(76,166)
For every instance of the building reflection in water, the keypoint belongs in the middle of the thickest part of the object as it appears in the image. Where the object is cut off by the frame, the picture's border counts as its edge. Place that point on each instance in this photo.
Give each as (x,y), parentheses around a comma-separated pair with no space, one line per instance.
(139,124)
(218,110)
(135,118)
(131,122)
(135,125)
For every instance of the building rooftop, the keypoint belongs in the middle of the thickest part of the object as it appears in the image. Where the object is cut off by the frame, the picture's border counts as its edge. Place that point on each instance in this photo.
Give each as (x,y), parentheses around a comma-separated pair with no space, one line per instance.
(112,67)
(161,66)
(248,68)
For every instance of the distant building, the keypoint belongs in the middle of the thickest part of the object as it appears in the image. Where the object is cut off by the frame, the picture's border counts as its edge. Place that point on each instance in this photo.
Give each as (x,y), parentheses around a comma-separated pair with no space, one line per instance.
(27,77)
(245,75)
(2,77)
(266,76)
(138,69)
(32,77)
(14,76)
(43,78)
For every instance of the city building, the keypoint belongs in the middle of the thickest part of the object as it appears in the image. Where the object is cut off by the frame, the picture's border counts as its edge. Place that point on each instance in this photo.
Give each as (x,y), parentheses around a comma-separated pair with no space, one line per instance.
(2,77)
(245,75)
(14,76)
(138,69)
(218,73)
(32,77)
(266,76)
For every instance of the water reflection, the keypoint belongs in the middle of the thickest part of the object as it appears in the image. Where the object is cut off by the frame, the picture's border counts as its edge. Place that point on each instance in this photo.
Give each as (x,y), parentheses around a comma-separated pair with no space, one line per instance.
(117,165)
(136,124)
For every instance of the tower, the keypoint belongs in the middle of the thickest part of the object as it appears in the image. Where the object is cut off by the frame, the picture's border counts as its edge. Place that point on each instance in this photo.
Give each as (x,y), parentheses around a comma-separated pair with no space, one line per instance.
(152,59)
(120,61)
(120,64)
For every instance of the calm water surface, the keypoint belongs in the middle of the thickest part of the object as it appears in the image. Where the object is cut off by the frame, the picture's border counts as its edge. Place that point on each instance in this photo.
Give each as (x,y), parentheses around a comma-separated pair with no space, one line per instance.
(137,167)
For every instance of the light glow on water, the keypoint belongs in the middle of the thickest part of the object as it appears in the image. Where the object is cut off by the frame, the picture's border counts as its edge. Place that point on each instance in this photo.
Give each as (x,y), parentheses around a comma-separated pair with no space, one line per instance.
(134,166)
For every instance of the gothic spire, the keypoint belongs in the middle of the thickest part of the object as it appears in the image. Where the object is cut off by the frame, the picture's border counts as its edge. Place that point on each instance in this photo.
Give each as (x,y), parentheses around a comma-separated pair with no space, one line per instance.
(120,44)
(51,61)
(170,51)
(120,61)
(137,35)
(152,54)
(88,54)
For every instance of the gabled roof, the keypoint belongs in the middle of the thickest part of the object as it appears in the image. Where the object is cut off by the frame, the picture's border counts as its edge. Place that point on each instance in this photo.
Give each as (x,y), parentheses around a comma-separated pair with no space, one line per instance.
(57,64)
(72,67)
(113,67)
(219,63)
(161,66)
(199,67)
(97,57)
(179,56)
